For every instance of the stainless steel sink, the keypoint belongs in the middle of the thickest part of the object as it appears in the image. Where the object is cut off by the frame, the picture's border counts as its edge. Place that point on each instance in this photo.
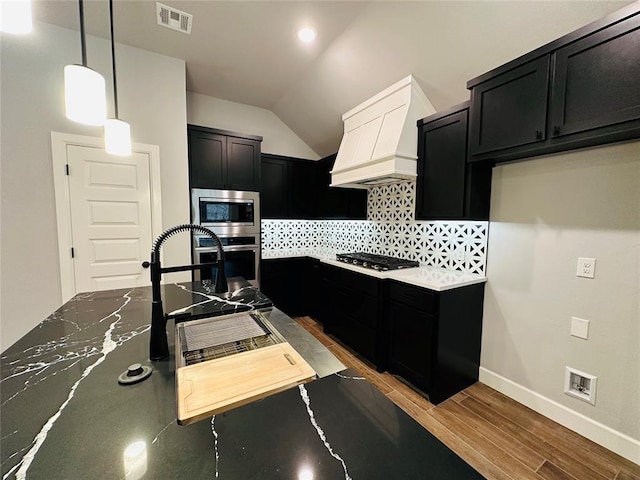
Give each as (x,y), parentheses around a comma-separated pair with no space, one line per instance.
(217,337)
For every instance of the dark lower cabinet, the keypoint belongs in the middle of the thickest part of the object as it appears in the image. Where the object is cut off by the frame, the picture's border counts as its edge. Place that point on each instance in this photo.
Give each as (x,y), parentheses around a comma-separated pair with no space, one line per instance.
(434,338)
(431,339)
(285,282)
(411,333)
(315,292)
(351,311)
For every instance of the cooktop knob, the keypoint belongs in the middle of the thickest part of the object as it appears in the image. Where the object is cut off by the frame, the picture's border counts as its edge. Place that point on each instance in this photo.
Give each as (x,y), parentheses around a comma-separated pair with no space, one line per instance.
(355,262)
(365,264)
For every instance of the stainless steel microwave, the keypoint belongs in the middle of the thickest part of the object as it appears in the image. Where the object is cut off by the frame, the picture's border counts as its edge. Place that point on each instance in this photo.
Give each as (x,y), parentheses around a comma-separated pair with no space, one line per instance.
(226,211)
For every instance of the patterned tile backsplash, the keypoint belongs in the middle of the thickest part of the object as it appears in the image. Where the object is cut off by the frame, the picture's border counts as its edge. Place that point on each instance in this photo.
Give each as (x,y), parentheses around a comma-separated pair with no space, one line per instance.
(390,230)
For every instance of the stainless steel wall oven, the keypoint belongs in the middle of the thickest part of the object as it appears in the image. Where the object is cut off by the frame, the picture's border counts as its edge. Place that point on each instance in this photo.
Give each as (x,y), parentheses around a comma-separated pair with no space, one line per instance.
(234,216)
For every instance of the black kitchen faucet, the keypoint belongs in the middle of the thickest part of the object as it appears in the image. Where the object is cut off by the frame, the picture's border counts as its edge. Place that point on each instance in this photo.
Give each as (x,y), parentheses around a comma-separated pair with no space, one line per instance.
(158,345)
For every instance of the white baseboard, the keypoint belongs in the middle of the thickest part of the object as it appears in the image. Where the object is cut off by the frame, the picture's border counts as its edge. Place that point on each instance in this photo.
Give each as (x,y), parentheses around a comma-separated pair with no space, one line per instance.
(609,438)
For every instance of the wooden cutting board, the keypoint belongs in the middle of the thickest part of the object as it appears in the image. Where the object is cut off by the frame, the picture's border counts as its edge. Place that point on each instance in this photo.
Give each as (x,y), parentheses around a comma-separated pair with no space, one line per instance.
(219,385)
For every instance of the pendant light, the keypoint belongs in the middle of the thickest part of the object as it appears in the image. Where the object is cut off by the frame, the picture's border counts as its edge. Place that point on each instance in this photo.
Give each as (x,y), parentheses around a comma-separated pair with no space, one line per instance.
(117,134)
(15,16)
(84,88)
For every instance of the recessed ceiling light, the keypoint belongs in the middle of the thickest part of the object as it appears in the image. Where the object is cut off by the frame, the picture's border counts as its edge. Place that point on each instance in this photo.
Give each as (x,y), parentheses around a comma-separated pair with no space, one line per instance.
(307,34)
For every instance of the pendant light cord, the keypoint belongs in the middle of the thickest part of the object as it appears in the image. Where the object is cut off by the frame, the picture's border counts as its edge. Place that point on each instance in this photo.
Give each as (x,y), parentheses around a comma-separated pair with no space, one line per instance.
(83,45)
(113,61)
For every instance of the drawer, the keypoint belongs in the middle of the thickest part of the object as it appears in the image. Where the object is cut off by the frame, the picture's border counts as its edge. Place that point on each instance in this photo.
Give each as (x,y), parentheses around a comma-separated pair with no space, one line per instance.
(355,281)
(415,297)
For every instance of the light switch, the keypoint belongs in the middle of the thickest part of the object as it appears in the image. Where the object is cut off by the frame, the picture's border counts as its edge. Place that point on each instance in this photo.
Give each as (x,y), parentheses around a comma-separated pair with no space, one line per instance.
(579,327)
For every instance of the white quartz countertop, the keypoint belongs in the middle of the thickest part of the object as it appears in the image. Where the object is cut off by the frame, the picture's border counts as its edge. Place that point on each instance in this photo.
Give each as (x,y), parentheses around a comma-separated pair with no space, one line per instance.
(437,279)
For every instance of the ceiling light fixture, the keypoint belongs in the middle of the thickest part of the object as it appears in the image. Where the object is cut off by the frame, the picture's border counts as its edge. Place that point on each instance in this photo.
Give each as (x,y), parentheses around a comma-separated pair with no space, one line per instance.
(117,133)
(84,89)
(307,34)
(15,16)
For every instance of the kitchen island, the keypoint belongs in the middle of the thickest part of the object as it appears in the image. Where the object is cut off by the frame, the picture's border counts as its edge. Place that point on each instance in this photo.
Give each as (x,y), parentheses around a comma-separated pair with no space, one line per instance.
(64,415)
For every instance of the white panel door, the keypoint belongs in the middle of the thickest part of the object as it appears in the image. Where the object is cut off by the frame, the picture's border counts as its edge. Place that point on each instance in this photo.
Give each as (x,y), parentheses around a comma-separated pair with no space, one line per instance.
(110,202)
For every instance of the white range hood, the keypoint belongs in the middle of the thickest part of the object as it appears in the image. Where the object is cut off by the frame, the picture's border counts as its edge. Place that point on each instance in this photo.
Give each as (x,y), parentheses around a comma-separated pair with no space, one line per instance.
(380,139)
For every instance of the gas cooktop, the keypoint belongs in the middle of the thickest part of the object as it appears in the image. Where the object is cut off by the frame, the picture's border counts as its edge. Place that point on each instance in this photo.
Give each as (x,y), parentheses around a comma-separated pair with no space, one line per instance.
(376,262)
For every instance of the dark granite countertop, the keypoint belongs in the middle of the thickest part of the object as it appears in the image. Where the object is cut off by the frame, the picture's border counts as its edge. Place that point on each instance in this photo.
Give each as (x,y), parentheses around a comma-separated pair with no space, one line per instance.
(64,416)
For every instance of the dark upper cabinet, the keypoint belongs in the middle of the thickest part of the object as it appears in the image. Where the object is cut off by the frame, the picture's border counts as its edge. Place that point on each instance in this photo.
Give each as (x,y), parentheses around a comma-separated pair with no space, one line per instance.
(335,203)
(273,189)
(578,91)
(596,80)
(288,188)
(448,187)
(302,190)
(294,188)
(207,159)
(243,164)
(510,110)
(222,159)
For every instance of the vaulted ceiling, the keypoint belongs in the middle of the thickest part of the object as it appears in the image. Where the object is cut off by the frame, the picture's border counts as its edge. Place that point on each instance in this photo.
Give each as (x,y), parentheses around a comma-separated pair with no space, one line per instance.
(247,51)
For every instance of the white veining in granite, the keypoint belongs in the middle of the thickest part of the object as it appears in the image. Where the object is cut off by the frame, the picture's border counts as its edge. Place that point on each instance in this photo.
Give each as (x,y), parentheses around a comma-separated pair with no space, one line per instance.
(209,299)
(109,344)
(305,398)
(215,442)
(349,378)
(162,431)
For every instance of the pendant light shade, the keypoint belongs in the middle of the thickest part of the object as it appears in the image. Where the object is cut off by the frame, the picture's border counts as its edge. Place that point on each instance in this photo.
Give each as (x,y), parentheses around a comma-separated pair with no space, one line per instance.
(84,89)
(15,16)
(117,137)
(117,133)
(84,95)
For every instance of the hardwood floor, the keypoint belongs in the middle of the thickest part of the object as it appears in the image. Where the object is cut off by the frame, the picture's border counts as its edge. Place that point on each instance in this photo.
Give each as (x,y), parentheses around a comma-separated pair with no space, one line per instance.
(499,437)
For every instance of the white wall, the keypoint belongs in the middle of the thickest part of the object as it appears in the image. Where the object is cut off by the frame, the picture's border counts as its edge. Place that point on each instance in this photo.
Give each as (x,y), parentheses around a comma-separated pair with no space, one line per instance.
(152,98)
(237,117)
(545,213)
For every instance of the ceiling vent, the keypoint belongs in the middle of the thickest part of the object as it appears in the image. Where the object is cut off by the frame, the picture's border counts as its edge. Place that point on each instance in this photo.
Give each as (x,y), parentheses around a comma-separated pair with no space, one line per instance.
(174,19)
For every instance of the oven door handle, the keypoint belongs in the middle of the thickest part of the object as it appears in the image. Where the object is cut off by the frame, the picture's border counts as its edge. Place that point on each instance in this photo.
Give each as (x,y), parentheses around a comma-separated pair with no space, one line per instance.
(228,248)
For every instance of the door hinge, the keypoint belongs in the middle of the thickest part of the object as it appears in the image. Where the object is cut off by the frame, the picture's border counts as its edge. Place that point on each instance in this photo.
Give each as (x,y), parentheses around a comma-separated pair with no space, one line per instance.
(66,168)
(73,253)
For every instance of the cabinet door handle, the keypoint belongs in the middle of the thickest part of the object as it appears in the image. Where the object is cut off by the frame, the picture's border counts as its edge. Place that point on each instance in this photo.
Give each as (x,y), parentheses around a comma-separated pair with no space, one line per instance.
(556,131)
(538,135)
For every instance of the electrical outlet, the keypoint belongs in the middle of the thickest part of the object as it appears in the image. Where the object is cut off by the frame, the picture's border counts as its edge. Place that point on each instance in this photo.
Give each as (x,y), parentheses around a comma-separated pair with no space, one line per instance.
(586,267)
(459,254)
(580,327)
